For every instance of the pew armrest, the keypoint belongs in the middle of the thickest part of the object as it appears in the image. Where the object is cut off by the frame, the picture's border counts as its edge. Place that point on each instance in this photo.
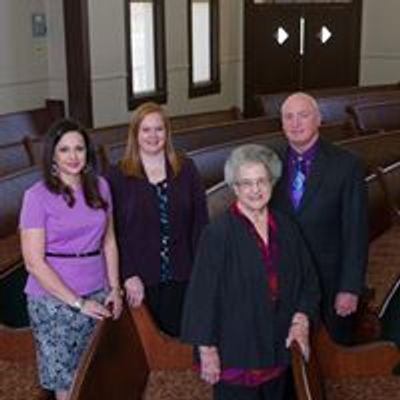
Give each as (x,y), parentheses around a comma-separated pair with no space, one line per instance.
(162,351)
(372,359)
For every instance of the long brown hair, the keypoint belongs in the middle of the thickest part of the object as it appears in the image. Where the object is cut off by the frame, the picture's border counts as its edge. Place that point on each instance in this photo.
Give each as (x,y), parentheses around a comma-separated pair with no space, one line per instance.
(89,178)
(131,164)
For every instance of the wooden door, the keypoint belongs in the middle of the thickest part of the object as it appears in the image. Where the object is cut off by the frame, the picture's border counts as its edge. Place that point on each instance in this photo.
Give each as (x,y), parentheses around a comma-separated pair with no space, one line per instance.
(272,58)
(331,46)
(298,46)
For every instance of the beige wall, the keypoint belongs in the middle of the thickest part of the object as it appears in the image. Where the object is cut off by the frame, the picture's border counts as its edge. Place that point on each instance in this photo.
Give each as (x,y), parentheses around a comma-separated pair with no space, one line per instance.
(23,59)
(32,70)
(107,38)
(380,53)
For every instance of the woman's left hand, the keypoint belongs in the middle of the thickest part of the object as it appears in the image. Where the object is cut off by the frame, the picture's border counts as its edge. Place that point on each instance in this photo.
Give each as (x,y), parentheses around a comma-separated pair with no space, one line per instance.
(114,302)
(299,331)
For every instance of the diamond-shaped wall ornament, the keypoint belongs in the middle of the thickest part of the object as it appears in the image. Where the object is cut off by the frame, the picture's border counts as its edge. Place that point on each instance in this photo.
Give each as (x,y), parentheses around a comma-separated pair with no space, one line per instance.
(324,34)
(281,35)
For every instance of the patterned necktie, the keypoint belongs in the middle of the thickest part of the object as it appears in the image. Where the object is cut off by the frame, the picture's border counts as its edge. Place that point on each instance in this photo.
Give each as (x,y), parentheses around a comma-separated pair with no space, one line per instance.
(298,183)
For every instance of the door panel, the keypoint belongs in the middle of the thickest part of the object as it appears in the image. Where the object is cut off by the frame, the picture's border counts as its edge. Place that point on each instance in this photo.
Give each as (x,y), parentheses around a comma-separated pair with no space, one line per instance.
(331,47)
(269,65)
(327,61)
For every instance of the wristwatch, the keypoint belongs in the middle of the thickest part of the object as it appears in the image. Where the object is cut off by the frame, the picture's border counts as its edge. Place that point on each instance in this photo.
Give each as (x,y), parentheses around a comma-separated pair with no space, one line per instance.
(78,303)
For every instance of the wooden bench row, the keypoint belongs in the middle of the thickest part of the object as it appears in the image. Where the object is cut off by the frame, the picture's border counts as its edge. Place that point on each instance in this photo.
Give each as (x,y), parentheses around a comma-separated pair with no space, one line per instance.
(20,154)
(15,126)
(333,100)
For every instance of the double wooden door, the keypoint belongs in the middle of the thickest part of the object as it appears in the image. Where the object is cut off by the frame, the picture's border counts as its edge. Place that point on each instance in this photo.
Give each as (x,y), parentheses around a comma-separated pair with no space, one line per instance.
(297,46)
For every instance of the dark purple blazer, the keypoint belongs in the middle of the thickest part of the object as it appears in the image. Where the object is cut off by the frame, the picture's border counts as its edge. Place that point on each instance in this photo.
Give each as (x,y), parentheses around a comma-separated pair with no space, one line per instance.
(137,222)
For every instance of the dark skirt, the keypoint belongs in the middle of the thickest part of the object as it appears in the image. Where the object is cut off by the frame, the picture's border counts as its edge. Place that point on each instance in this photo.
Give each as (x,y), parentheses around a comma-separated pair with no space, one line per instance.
(165,302)
(61,334)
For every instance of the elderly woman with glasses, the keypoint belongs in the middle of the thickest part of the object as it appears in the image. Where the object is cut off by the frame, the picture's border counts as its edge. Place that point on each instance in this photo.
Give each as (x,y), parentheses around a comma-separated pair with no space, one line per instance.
(253,289)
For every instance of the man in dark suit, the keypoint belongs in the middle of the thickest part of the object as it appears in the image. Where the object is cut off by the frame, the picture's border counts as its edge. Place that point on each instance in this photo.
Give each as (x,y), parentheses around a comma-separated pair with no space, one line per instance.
(323,188)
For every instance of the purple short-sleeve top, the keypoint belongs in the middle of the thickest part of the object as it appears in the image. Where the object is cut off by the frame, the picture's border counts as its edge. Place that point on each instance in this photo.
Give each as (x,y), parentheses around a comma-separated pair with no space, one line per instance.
(77,229)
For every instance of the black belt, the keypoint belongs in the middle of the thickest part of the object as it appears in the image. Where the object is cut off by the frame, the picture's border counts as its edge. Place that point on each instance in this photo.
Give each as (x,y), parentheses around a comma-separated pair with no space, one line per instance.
(74,255)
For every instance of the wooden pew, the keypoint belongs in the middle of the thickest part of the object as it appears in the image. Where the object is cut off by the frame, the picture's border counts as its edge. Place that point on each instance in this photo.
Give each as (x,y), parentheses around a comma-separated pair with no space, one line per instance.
(12,188)
(15,126)
(384,250)
(209,118)
(109,134)
(14,157)
(199,137)
(336,372)
(375,116)
(196,138)
(118,133)
(270,104)
(130,359)
(389,178)
(114,365)
(210,160)
(380,149)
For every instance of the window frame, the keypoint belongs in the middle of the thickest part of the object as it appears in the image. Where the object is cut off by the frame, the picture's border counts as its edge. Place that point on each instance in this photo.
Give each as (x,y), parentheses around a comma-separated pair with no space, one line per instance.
(159,95)
(214,84)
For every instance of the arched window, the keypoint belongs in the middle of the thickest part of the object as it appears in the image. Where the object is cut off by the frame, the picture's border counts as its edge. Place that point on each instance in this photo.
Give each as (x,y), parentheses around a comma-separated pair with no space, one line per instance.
(203,47)
(145,38)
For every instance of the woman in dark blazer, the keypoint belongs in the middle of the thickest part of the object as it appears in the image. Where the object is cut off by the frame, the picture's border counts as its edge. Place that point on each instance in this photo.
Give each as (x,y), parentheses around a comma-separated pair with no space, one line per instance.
(160,209)
(253,288)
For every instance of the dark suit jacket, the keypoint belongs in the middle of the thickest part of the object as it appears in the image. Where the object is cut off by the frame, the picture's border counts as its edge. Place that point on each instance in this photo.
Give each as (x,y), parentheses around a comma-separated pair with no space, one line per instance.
(332,216)
(227,302)
(137,222)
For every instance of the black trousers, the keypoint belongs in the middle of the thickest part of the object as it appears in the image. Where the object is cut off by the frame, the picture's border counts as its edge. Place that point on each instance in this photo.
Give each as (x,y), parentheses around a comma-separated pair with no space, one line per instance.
(165,302)
(272,390)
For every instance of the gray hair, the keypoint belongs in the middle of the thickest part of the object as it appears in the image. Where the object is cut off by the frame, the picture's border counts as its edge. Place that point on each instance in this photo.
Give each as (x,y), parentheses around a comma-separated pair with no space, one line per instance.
(252,154)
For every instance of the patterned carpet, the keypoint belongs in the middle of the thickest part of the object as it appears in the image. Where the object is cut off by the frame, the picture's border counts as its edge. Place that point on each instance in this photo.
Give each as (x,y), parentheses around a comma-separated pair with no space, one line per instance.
(18,383)
(384,264)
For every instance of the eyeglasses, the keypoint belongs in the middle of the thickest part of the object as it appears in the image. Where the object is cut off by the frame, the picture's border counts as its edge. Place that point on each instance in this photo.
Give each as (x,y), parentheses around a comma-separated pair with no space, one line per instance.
(247,184)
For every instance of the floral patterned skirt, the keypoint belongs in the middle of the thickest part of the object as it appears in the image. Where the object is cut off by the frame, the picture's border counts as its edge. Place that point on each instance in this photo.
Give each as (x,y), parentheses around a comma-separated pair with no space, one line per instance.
(61,335)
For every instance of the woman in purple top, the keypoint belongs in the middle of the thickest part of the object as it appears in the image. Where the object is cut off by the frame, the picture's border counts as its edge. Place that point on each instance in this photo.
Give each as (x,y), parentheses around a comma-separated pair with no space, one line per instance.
(160,209)
(70,252)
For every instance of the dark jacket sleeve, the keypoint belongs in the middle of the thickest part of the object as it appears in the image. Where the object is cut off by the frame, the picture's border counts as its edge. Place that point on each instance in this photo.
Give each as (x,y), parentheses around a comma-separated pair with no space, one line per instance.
(200,315)
(114,178)
(200,211)
(354,230)
(310,294)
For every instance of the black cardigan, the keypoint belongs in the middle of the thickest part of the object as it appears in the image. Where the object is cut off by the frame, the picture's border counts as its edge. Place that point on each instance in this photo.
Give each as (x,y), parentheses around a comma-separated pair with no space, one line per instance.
(227,303)
(137,222)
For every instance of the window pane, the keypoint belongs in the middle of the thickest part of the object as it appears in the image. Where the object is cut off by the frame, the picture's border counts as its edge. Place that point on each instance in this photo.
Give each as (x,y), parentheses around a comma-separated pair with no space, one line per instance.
(201,62)
(142,50)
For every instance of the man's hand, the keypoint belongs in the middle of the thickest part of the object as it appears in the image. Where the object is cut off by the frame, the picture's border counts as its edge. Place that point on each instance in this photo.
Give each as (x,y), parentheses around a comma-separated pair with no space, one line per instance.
(346,303)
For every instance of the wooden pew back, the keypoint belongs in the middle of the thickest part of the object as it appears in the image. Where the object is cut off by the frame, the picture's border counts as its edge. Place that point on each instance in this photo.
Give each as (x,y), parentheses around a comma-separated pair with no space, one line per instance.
(13,157)
(376,116)
(219,197)
(12,188)
(379,215)
(390,179)
(380,149)
(210,160)
(15,126)
(333,103)
(114,365)
(208,118)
